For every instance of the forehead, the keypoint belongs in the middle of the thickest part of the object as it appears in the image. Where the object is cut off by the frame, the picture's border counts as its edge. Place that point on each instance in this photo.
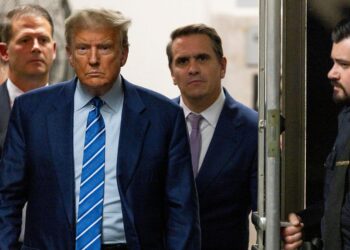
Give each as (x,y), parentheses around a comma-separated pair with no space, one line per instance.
(192,45)
(29,23)
(94,36)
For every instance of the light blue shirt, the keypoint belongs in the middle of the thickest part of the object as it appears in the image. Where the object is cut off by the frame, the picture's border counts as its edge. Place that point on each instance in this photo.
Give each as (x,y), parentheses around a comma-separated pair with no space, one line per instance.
(113,227)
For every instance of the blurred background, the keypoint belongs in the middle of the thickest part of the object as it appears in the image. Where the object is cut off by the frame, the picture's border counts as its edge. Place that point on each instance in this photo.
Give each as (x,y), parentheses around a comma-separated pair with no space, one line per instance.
(152,21)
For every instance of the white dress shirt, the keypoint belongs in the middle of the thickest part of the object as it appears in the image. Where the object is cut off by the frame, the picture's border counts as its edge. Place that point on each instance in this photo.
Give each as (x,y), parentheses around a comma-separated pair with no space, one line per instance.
(207,126)
(13,91)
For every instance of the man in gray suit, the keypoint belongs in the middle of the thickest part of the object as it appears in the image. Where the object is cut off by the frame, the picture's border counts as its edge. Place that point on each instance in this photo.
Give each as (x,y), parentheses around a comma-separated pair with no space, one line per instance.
(29,50)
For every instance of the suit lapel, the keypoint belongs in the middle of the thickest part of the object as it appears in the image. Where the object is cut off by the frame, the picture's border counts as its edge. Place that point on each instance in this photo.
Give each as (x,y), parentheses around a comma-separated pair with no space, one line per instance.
(5,111)
(133,129)
(222,146)
(60,131)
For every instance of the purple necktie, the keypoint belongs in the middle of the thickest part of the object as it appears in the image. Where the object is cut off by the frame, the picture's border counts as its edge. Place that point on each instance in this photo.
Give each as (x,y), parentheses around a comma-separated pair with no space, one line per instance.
(195,140)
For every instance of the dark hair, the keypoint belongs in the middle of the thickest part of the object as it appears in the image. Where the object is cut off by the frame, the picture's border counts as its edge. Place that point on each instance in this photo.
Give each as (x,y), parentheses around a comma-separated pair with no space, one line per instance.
(192,30)
(20,11)
(341,30)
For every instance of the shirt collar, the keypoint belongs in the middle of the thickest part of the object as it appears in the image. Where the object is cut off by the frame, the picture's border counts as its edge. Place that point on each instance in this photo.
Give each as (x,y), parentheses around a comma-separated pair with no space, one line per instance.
(212,113)
(113,98)
(14,91)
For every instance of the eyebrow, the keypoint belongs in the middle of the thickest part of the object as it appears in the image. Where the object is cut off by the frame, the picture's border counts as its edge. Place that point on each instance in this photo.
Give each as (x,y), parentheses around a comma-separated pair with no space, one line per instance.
(340,60)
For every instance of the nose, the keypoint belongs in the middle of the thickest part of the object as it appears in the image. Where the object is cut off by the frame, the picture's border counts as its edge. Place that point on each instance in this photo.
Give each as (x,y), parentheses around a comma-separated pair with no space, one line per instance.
(36,45)
(333,73)
(193,67)
(93,57)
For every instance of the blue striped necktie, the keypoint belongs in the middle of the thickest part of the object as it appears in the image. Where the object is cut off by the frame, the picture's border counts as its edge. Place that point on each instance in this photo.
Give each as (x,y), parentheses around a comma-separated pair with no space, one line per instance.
(90,209)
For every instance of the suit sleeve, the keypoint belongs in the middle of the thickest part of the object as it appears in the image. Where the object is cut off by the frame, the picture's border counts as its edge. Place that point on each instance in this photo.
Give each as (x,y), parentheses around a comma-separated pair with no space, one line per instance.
(183,230)
(12,182)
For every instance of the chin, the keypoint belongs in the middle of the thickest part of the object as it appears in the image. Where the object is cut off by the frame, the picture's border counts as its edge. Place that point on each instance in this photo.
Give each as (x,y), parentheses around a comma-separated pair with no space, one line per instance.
(340,99)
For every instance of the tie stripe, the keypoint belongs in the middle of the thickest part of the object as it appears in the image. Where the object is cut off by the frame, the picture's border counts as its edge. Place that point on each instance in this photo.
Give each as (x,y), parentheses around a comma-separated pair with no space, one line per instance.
(87,229)
(91,192)
(86,247)
(92,175)
(100,133)
(90,209)
(87,212)
(94,156)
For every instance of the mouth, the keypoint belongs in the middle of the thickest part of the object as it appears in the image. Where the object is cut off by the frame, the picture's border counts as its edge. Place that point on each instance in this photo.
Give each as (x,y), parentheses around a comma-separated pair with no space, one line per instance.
(94,74)
(336,85)
(339,88)
(37,61)
(195,81)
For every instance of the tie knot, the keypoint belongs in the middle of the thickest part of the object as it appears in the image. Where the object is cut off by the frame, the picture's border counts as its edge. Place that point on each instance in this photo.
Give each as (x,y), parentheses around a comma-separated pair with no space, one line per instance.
(97,102)
(195,120)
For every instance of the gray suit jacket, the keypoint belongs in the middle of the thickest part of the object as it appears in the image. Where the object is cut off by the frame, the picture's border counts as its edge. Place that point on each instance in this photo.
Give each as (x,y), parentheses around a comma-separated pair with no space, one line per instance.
(5,110)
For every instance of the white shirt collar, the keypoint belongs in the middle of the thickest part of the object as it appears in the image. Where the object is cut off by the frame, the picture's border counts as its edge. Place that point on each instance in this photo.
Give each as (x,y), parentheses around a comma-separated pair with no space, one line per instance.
(13,91)
(212,113)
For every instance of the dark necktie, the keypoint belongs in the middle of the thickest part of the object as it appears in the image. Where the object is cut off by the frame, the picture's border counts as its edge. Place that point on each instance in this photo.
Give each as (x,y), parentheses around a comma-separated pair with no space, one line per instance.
(90,209)
(195,140)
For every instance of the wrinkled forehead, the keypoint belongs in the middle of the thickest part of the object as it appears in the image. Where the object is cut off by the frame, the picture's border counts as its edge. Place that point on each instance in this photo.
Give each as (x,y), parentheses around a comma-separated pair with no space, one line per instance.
(25,23)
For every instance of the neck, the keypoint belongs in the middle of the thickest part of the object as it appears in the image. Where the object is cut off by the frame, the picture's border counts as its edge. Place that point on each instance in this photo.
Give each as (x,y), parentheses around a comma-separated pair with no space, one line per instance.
(29,82)
(199,104)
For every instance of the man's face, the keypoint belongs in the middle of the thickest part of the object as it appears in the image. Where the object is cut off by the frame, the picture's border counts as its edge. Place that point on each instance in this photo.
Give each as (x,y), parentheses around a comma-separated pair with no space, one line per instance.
(97,56)
(339,74)
(31,49)
(196,69)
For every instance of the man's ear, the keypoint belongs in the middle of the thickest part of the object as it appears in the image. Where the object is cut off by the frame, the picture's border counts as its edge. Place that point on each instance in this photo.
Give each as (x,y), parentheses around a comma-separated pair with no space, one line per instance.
(3,52)
(174,81)
(172,75)
(124,57)
(69,56)
(54,50)
(223,63)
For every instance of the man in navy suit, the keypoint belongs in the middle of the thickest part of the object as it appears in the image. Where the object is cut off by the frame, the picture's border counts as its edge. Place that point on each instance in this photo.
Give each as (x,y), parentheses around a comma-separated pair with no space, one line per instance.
(226,177)
(28,49)
(149,199)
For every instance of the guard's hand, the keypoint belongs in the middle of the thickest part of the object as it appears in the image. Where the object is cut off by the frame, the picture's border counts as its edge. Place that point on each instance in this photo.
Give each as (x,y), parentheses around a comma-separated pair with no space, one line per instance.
(292,235)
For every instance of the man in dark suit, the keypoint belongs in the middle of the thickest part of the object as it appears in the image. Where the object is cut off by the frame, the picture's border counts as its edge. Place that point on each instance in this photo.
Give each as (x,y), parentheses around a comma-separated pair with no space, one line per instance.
(335,212)
(29,50)
(129,186)
(226,162)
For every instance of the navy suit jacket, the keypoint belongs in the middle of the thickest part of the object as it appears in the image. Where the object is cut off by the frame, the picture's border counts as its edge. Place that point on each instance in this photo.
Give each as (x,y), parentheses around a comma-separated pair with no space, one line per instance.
(227,180)
(5,110)
(154,174)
